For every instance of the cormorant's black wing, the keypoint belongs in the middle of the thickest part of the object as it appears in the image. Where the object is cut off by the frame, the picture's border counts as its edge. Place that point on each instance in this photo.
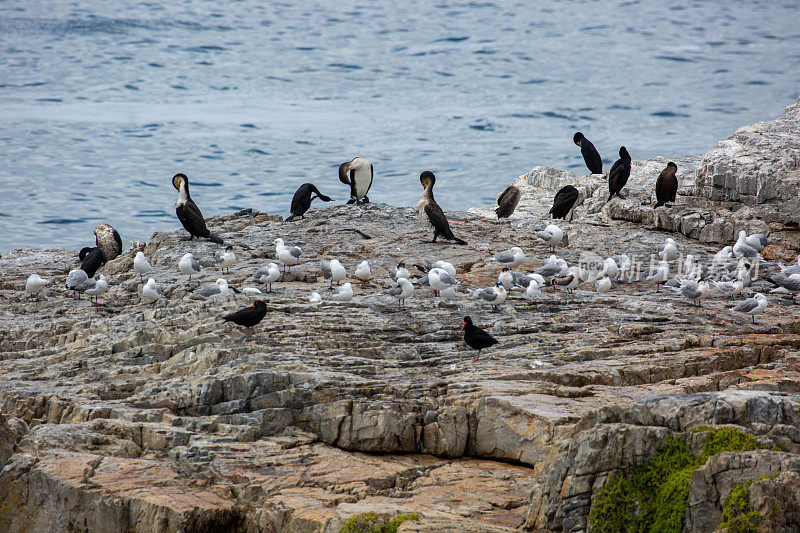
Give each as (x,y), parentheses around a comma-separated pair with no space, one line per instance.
(615,178)
(507,202)
(563,201)
(92,261)
(439,220)
(591,156)
(192,219)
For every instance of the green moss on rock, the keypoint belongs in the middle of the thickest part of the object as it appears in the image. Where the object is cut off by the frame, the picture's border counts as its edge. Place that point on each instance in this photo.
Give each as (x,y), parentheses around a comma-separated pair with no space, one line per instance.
(654,497)
(373,523)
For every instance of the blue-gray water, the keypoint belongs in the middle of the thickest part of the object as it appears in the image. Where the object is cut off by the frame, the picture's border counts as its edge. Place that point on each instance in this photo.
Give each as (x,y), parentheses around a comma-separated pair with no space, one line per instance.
(102,102)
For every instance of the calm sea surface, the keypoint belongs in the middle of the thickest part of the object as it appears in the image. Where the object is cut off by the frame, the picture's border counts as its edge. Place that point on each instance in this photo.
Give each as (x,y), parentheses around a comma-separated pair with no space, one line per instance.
(102,102)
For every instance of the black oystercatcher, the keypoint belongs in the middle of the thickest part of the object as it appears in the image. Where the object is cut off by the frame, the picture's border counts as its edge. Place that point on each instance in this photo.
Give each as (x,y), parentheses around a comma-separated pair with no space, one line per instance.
(249,316)
(476,338)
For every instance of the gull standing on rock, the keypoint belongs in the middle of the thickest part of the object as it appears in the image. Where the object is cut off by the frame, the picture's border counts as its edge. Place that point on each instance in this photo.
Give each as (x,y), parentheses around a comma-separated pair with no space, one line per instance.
(729,288)
(431,213)
(510,258)
(34,284)
(363,272)
(444,265)
(603,284)
(610,268)
(343,293)
(440,280)
(506,278)
(188,265)
(534,290)
(400,271)
(332,270)
(100,287)
(660,275)
(210,290)
(78,281)
(551,268)
(401,290)
(315,298)
(188,212)
(268,274)
(742,249)
(669,250)
(552,235)
(758,241)
(492,295)
(141,265)
(287,255)
(151,292)
(225,259)
(752,306)
(693,290)
(568,279)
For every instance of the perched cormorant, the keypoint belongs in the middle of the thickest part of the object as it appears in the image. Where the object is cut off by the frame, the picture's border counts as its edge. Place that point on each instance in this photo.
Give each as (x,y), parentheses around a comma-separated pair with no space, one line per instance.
(108,240)
(476,338)
(431,213)
(249,316)
(619,174)
(358,174)
(564,201)
(507,202)
(667,185)
(590,156)
(91,260)
(301,201)
(188,212)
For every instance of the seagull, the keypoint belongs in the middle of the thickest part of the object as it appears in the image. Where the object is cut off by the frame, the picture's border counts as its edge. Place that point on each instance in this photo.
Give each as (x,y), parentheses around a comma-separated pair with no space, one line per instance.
(569,279)
(552,235)
(693,290)
(251,290)
(314,298)
(522,280)
(789,283)
(100,287)
(402,290)
(511,257)
(603,284)
(758,241)
(78,281)
(248,316)
(552,267)
(363,272)
(610,268)
(660,275)
(444,265)
(624,266)
(669,250)
(332,270)
(268,274)
(225,259)
(752,306)
(440,280)
(722,257)
(142,265)
(343,293)
(506,278)
(210,290)
(729,288)
(448,293)
(742,249)
(287,255)
(492,295)
(533,290)
(790,269)
(400,271)
(152,292)
(35,284)
(188,265)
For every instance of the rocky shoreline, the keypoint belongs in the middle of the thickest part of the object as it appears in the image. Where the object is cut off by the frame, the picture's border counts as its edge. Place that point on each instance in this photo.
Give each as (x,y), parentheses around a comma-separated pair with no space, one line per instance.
(127,417)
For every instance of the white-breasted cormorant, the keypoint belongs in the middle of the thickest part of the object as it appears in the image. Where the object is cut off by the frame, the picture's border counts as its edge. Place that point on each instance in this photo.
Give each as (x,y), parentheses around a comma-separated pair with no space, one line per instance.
(188,212)
(358,174)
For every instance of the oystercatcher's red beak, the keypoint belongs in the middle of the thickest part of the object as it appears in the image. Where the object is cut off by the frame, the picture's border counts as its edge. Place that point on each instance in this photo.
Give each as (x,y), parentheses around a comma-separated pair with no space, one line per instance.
(463,326)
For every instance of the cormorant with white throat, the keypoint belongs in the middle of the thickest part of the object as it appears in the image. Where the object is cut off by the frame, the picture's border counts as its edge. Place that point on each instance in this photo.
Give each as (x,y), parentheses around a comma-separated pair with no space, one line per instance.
(358,174)
(188,212)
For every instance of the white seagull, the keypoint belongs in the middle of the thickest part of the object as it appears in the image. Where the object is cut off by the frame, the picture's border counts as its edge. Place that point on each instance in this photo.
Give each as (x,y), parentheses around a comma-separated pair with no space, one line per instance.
(492,295)
(210,290)
(752,306)
(100,287)
(151,292)
(660,275)
(552,235)
(79,281)
(332,270)
(569,279)
(509,258)
(287,255)
(268,274)
(225,259)
(343,293)
(693,290)
(400,271)
(603,284)
(188,265)
(742,249)
(669,250)
(314,298)
(363,272)
(533,290)
(402,290)
(506,278)
(758,241)
(142,265)
(35,284)
(440,280)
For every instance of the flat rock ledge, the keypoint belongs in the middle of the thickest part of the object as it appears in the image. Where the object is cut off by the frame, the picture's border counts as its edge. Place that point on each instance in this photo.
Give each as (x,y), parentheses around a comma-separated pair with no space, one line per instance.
(129,417)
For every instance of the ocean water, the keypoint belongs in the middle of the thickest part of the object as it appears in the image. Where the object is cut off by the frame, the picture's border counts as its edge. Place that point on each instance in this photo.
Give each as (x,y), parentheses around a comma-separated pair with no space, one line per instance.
(102,102)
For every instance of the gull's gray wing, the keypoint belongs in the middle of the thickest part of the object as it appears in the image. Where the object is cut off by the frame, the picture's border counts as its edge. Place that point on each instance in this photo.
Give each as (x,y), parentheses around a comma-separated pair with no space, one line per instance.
(520,279)
(544,235)
(746,306)
(209,289)
(325,267)
(447,279)
(397,290)
(261,273)
(295,251)
(505,257)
